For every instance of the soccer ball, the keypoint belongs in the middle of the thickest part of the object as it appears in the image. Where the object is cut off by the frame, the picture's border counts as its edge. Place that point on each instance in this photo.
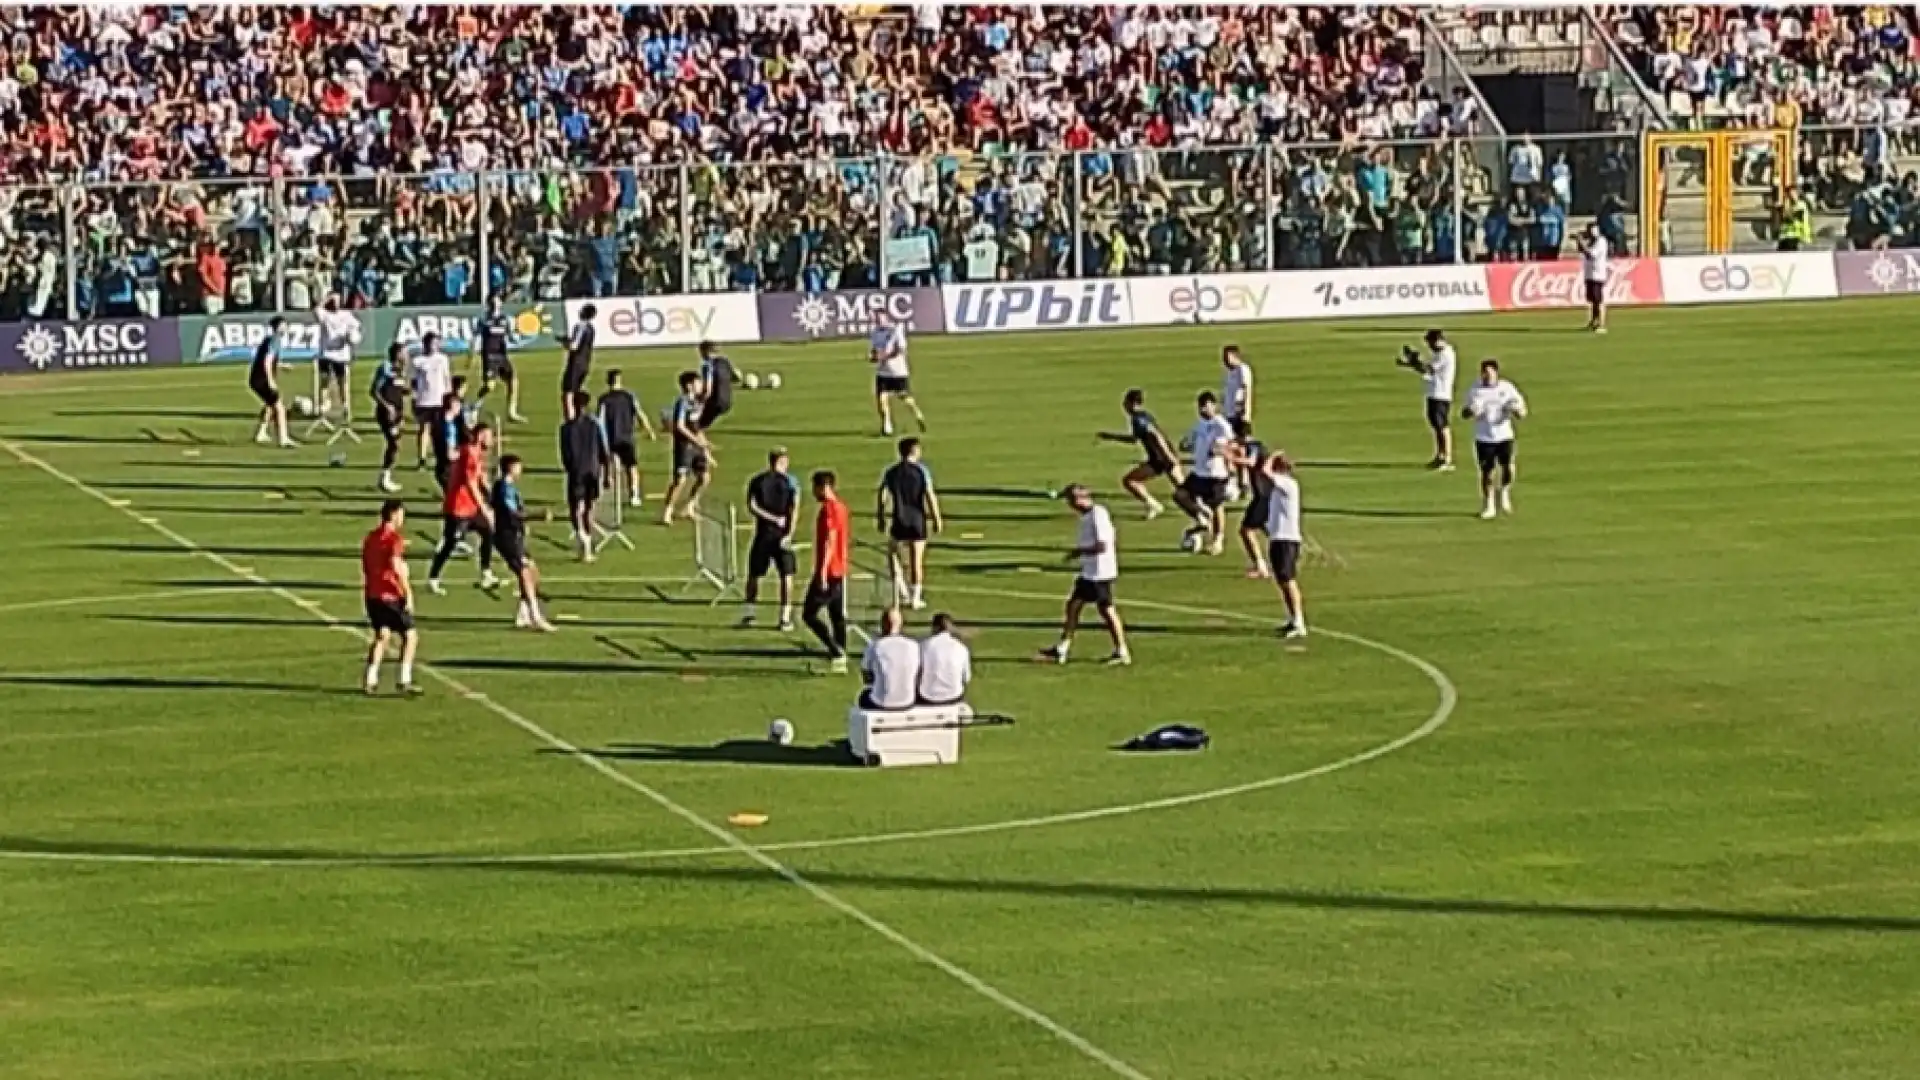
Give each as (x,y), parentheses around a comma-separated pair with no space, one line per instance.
(303,406)
(780,733)
(750,381)
(338,460)
(773,381)
(1191,541)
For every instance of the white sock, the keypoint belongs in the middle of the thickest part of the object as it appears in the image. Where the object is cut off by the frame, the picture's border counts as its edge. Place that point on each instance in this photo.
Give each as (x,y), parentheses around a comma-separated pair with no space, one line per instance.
(1063,647)
(373,676)
(523,612)
(1153,504)
(406,673)
(786,613)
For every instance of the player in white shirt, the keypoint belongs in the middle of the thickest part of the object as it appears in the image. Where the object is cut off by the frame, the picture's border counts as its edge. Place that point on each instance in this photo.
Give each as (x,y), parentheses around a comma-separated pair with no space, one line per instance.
(430,374)
(1236,401)
(1493,404)
(1204,491)
(1098,550)
(1284,538)
(946,665)
(339,335)
(887,349)
(1594,270)
(1436,379)
(891,668)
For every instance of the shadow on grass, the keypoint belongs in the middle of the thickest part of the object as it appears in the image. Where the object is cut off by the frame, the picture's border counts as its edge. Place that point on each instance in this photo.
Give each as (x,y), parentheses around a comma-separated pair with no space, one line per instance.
(126,548)
(153,682)
(533,666)
(238,585)
(1395,515)
(1121,892)
(731,752)
(256,490)
(496,622)
(1394,465)
(162,414)
(62,438)
(191,464)
(281,510)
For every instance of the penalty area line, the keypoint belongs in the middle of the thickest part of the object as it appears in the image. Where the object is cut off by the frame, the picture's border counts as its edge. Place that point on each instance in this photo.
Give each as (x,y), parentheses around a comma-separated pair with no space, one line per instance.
(820,893)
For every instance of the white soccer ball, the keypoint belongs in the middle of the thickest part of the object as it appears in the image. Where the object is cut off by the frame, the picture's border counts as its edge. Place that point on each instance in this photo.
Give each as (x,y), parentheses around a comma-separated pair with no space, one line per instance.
(338,459)
(303,406)
(750,381)
(1192,540)
(780,733)
(773,381)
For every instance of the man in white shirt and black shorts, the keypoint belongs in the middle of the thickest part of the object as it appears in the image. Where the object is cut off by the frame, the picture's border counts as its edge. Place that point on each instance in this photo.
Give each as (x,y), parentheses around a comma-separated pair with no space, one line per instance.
(1437,373)
(887,349)
(339,336)
(1284,539)
(1594,272)
(431,375)
(1098,550)
(1493,404)
(1204,491)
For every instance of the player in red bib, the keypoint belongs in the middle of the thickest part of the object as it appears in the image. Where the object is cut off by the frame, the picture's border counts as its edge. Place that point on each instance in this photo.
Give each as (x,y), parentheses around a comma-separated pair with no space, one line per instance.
(465,507)
(389,595)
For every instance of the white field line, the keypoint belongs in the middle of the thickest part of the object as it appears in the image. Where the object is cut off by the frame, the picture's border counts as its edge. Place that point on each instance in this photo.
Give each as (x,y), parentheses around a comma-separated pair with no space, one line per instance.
(122,598)
(724,838)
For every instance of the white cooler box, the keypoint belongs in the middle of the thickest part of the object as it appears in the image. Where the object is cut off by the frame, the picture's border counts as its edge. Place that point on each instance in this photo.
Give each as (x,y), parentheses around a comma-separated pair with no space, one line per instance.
(923,735)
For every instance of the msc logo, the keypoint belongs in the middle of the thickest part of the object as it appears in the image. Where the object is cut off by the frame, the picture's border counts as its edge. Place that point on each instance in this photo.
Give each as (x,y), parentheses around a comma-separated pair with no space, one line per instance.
(86,345)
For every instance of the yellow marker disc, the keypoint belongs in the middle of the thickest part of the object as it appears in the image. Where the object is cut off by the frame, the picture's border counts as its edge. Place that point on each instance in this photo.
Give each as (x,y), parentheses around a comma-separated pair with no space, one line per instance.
(746,820)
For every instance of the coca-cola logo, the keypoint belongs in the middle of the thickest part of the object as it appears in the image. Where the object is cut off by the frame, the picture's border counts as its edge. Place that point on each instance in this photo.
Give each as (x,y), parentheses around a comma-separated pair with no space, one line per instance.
(1534,285)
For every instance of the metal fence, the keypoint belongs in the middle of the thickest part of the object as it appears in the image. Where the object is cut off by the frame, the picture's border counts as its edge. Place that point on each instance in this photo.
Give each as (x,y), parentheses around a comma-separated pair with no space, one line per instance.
(211,246)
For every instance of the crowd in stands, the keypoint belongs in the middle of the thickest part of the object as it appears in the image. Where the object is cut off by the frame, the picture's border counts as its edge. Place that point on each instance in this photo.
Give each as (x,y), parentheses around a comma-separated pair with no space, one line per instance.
(242,157)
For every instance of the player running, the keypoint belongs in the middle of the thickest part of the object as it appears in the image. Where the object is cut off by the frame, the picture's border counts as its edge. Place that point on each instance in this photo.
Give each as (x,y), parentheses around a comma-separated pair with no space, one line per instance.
(693,459)
(908,511)
(621,419)
(1161,459)
(389,393)
(1493,404)
(389,596)
(573,379)
(716,385)
(510,540)
(465,507)
(431,377)
(1436,378)
(1202,494)
(263,378)
(772,499)
(827,589)
(1284,540)
(494,331)
(1098,550)
(887,349)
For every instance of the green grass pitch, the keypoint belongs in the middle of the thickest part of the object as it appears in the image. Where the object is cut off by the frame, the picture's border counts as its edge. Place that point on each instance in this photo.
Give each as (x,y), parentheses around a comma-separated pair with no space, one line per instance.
(1668,830)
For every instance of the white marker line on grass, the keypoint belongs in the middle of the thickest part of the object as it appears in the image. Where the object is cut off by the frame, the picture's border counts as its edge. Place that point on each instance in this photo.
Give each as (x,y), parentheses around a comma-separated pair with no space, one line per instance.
(725,839)
(123,598)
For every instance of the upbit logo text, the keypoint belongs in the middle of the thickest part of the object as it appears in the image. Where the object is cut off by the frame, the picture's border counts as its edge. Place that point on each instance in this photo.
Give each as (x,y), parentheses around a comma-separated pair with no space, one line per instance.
(1029,307)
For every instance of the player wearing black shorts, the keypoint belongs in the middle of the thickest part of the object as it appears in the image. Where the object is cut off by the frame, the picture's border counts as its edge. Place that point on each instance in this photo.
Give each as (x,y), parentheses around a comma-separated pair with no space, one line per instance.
(582,448)
(389,595)
(773,499)
(621,420)
(494,333)
(908,511)
(1250,455)
(716,382)
(449,433)
(510,540)
(263,378)
(1204,491)
(693,459)
(465,507)
(1144,430)
(573,379)
(1284,539)
(389,393)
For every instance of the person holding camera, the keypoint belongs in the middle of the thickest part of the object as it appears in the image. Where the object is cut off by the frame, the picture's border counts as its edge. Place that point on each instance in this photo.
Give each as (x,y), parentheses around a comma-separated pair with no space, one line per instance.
(1436,376)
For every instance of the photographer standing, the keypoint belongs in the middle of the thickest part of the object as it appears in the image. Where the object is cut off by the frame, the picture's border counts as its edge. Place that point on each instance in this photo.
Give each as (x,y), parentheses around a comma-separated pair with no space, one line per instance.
(1436,373)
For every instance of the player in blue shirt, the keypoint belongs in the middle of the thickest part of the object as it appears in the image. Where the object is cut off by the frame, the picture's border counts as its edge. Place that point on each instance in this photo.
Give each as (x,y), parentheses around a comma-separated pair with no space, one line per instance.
(1160,460)
(510,542)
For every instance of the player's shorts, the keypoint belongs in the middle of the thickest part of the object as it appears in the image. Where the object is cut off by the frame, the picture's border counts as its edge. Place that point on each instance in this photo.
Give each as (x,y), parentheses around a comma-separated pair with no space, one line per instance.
(1097,593)
(454,529)
(1596,292)
(899,385)
(1242,427)
(583,488)
(712,411)
(1284,557)
(625,453)
(332,369)
(1256,514)
(1209,491)
(689,458)
(427,416)
(389,615)
(573,379)
(1159,468)
(908,529)
(1494,455)
(768,553)
(497,367)
(388,417)
(512,549)
(831,593)
(268,393)
(1439,413)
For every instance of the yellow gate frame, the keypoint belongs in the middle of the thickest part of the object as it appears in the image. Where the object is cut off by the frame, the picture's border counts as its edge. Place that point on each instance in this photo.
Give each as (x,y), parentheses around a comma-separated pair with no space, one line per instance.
(1718,146)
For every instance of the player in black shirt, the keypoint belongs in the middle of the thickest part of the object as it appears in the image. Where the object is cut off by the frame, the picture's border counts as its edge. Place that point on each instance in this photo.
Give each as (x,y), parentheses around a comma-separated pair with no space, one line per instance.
(579,359)
(449,432)
(582,448)
(389,392)
(1250,454)
(494,332)
(263,378)
(510,540)
(909,513)
(773,499)
(716,379)
(1161,459)
(621,420)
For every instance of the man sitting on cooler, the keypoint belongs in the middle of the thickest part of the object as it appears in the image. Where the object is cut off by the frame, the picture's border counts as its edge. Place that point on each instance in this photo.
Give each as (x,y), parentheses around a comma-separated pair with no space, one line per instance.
(946,666)
(891,668)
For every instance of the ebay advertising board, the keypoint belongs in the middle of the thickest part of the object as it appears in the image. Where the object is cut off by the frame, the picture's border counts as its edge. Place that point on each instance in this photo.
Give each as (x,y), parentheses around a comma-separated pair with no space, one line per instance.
(628,322)
(1744,278)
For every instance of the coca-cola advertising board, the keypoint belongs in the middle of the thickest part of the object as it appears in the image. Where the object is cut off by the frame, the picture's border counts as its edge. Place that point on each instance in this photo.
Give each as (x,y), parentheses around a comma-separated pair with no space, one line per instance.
(1523,286)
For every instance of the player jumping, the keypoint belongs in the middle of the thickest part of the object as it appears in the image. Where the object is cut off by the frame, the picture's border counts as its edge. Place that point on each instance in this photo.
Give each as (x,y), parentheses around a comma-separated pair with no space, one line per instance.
(1161,460)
